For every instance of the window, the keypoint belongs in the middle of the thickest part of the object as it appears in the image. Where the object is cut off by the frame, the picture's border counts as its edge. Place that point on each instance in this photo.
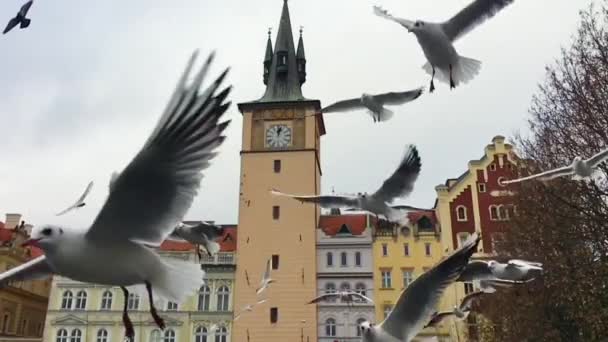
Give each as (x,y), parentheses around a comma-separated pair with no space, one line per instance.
(277,166)
(343,260)
(330,327)
(155,336)
(76,335)
(6,322)
(200,335)
(406,249)
(169,335)
(468,287)
(387,310)
(360,289)
(384,249)
(66,301)
(357,258)
(276,211)
(462,238)
(501,181)
(81,300)
(133,302)
(492,167)
(330,259)
(503,213)
(106,301)
(358,327)
(221,335)
(386,279)
(102,335)
(408,277)
(23,327)
(481,187)
(203,298)
(274,315)
(330,288)
(62,335)
(427,249)
(275,261)
(171,306)
(494,215)
(425,224)
(223,297)
(345,287)
(461,213)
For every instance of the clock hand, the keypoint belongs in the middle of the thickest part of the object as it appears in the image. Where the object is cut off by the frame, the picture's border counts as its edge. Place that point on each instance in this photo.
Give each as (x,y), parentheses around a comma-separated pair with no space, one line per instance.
(279,130)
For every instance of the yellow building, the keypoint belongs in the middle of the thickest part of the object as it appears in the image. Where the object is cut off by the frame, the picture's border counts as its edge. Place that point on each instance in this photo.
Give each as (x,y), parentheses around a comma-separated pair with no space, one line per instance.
(22,304)
(280,149)
(402,254)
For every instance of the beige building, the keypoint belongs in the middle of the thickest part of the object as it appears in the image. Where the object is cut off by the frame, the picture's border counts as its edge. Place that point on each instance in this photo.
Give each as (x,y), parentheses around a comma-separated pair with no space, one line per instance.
(280,149)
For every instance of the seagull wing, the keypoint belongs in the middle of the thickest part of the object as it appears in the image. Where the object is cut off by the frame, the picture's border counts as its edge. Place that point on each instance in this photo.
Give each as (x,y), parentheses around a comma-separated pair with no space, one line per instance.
(154,192)
(401,182)
(381,12)
(526,264)
(323,297)
(26,7)
(34,269)
(79,202)
(399,98)
(467,301)
(418,301)
(476,270)
(343,106)
(438,317)
(472,16)
(12,23)
(597,159)
(562,171)
(323,201)
(212,232)
(362,297)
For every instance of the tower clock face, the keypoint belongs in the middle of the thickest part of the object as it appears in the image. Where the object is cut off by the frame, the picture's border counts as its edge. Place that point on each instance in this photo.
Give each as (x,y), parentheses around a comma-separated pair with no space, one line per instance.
(278,136)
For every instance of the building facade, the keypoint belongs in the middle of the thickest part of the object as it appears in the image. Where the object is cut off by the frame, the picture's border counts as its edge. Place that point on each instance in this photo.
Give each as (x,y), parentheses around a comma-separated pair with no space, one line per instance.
(280,149)
(344,262)
(82,312)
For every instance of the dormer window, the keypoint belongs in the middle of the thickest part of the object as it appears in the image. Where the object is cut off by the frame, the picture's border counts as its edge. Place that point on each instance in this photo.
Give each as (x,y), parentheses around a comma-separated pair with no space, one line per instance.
(282,61)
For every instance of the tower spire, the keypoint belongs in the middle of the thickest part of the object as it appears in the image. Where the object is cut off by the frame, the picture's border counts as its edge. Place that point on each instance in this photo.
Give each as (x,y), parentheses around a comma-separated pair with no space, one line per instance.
(301,59)
(268,57)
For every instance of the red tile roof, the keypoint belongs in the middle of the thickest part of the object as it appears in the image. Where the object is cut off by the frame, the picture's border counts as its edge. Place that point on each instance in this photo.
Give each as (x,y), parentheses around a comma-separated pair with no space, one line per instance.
(1,224)
(35,252)
(176,246)
(5,234)
(414,216)
(331,224)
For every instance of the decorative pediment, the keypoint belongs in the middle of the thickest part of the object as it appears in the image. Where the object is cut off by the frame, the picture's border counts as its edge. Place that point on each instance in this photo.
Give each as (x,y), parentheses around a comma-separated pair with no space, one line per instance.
(69,320)
(344,230)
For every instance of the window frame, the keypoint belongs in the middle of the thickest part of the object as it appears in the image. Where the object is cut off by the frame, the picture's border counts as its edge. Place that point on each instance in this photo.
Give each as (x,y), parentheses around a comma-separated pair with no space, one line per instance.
(274,315)
(427,249)
(106,300)
(81,300)
(67,301)
(223,298)
(386,278)
(465,216)
(276,212)
(384,249)
(358,259)
(405,271)
(204,292)
(276,165)
(275,261)
(479,187)
(329,259)
(330,327)
(343,259)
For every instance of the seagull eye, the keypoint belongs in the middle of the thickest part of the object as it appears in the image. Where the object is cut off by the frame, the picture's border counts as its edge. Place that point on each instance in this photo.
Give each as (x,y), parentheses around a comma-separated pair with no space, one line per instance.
(47,231)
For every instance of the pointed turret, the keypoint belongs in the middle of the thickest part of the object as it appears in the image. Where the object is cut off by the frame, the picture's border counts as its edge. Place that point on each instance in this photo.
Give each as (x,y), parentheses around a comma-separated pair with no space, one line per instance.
(267,58)
(301,59)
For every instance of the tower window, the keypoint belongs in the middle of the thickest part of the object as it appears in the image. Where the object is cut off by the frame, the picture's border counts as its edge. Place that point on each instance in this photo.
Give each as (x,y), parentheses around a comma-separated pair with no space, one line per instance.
(427,249)
(461,213)
(276,212)
(277,166)
(343,259)
(274,315)
(275,261)
(406,249)
(492,167)
(384,249)
(481,187)
(330,259)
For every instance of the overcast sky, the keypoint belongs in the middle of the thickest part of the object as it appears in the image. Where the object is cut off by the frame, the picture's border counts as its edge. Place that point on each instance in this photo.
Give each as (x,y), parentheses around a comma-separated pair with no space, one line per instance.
(83,86)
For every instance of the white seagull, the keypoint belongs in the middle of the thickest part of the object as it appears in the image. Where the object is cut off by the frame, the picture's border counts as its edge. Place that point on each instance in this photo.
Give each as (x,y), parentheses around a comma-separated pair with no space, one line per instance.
(399,184)
(248,308)
(436,40)
(492,273)
(266,280)
(80,202)
(201,234)
(375,103)
(417,302)
(579,169)
(147,200)
(346,296)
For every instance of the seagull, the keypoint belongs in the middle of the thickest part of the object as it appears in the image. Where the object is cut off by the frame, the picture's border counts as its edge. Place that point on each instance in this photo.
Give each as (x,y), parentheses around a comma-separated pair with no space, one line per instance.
(436,40)
(147,200)
(201,234)
(399,184)
(417,302)
(266,280)
(492,273)
(248,308)
(375,103)
(460,312)
(346,296)
(80,202)
(579,169)
(20,18)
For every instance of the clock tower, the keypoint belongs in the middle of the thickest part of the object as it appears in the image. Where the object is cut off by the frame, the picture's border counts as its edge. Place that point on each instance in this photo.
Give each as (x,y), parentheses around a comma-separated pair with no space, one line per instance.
(280,150)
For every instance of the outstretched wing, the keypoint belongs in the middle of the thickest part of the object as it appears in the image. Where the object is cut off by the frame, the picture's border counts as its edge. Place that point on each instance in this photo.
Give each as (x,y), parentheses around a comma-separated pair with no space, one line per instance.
(323,297)
(399,98)
(437,317)
(79,202)
(362,297)
(598,158)
(476,270)
(418,301)
(401,182)
(34,269)
(526,264)
(323,201)
(25,8)
(472,16)
(551,174)
(343,106)
(381,12)
(12,23)
(154,192)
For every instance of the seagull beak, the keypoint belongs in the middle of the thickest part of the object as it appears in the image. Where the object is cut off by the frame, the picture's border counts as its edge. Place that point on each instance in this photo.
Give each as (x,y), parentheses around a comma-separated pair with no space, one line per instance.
(31,242)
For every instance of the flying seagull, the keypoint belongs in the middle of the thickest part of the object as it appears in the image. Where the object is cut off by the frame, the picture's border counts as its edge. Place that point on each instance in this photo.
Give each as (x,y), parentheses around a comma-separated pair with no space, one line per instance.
(492,273)
(346,296)
(20,18)
(80,202)
(417,302)
(266,280)
(375,103)
(249,308)
(399,184)
(436,40)
(147,200)
(579,169)
(201,234)
(460,312)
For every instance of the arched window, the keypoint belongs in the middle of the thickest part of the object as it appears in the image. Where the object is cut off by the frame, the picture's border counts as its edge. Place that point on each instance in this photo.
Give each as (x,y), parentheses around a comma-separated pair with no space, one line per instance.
(200,335)
(223,297)
(81,300)
(358,327)
(345,287)
(330,259)
(221,335)
(343,260)
(76,335)
(133,302)
(203,298)
(62,335)
(360,289)
(66,301)
(106,301)
(169,335)
(357,258)
(494,214)
(330,327)
(102,335)
(6,322)
(461,213)
(171,306)
(155,336)
(330,288)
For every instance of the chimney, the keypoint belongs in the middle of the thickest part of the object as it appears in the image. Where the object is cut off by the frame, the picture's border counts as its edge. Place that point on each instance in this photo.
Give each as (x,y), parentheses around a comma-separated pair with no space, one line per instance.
(12,221)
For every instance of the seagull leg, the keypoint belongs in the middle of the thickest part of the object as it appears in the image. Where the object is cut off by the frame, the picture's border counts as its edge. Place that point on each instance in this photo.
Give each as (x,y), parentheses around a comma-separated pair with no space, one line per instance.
(126,321)
(452,84)
(432,87)
(157,319)
(198,252)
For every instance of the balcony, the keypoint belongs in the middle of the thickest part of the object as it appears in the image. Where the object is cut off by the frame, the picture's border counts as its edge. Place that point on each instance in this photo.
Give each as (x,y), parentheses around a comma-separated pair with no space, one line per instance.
(219,259)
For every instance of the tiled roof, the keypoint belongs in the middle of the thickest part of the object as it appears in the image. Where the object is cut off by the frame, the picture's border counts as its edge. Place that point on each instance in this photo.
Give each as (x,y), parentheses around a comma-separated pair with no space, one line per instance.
(176,246)
(414,216)
(5,234)
(331,224)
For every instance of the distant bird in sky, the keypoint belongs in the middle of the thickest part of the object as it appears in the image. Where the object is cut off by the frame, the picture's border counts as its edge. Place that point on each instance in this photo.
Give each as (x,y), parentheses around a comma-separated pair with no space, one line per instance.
(436,40)
(460,312)
(346,296)
(266,280)
(492,273)
(147,200)
(399,184)
(20,18)
(417,302)
(579,169)
(80,202)
(248,308)
(375,103)
(200,234)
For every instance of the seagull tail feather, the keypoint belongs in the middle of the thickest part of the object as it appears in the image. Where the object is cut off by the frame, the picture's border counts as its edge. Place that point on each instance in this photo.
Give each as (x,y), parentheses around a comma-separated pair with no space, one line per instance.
(25,22)
(466,70)
(385,115)
(177,280)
